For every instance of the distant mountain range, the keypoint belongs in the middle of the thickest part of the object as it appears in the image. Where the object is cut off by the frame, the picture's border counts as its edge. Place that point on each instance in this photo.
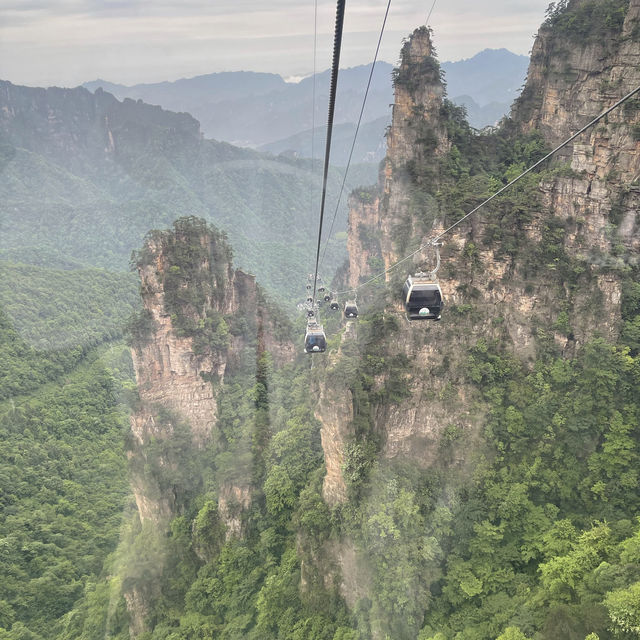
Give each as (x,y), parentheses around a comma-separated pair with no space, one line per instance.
(84,177)
(491,76)
(262,110)
(251,109)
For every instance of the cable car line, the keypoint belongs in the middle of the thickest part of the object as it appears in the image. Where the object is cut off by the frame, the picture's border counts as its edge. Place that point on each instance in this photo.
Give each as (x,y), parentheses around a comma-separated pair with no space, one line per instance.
(313,94)
(315,340)
(430,12)
(355,136)
(337,43)
(313,105)
(434,240)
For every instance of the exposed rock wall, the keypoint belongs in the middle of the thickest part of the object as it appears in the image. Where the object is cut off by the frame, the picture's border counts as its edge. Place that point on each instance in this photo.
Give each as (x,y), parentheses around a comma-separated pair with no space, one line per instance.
(169,373)
(363,235)
(594,200)
(571,81)
(568,84)
(68,125)
(417,133)
(335,412)
(417,129)
(181,366)
(202,319)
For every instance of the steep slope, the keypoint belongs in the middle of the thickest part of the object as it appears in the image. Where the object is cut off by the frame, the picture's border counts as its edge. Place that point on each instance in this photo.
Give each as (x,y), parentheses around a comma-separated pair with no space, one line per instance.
(199,317)
(477,265)
(203,326)
(530,284)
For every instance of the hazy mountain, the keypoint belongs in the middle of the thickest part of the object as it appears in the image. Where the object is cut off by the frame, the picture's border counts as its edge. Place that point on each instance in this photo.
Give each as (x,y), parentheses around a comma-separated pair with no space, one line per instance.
(370,145)
(262,110)
(485,115)
(252,109)
(491,76)
(85,176)
(182,94)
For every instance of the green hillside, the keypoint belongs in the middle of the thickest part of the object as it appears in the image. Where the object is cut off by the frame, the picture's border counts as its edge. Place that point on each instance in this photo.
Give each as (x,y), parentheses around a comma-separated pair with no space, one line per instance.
(60,309)
(62,421)
(101,173)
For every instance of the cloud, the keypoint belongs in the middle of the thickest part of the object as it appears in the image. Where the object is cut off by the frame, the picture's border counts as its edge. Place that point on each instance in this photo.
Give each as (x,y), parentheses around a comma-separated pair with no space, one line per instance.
(70,41)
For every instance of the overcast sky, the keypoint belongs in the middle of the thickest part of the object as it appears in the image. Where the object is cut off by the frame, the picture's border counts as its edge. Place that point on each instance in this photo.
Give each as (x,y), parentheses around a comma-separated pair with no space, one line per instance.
(67,42)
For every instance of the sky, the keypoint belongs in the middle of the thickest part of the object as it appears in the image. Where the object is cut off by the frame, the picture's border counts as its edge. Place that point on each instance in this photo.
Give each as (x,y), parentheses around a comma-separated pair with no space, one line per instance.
(67,42)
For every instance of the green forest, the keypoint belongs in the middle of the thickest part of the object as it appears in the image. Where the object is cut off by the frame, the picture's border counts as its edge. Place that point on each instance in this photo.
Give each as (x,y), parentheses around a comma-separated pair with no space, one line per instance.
(63,417)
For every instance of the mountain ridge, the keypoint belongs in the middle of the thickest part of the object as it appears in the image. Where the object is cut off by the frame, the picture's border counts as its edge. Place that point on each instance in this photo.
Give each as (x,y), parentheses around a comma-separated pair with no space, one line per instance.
(272,110)
(86,176)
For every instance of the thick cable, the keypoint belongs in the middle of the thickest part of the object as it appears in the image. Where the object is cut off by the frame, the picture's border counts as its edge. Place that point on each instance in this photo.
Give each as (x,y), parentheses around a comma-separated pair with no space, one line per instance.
(355,136)
(313,93)
(431,241)
(337,44)
(430,12)
(313,103)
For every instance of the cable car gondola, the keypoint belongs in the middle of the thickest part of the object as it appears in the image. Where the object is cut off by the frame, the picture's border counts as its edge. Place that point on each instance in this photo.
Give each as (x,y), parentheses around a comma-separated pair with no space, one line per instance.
(314,340)
(334,306)
(350,309)
(422,298)
(327,297)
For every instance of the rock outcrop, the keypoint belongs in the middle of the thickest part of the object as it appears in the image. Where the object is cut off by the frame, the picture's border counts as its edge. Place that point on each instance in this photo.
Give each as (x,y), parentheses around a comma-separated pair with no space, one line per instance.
(191,299)
(202,321)
(597,205)
(583,230)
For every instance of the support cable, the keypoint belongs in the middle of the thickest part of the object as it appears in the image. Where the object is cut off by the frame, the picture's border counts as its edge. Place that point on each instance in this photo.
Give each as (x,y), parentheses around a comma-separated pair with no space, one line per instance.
(430,12)
(313,95)
(355,136)
(313,103)
(337,44)
(431,241)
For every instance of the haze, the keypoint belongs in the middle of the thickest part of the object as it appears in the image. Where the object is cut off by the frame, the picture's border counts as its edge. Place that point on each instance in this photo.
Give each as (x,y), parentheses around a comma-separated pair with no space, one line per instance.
(67,42)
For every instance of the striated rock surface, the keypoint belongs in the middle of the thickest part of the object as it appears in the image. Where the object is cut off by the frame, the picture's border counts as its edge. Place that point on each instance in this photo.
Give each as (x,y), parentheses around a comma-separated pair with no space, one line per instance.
(583,231)
(335,412)
(202,321)
(191,297)
(568,84)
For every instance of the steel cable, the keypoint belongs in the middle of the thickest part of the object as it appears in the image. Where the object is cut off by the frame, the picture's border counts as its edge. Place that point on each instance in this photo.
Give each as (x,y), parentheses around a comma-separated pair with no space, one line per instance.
(337,44)
(431,241)
(355,136)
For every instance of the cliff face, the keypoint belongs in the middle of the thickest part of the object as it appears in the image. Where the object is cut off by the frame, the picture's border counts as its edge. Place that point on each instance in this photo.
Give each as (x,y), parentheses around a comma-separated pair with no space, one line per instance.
(192,298)
(202,322)
(597,206)
(80,129)
(376,219)
(571,80)
(539,271)
(417,133)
